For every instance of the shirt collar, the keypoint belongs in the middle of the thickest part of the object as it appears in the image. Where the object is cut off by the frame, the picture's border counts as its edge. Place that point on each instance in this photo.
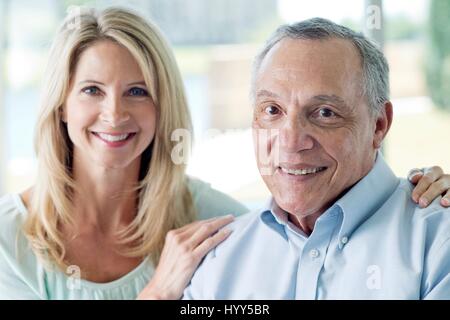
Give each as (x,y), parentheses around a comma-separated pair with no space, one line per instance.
(366,196)
(357,205)
(273,219)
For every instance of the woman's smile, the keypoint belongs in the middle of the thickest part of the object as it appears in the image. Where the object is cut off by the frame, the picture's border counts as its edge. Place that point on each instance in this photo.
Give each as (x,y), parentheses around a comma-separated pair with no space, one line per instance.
(114,140)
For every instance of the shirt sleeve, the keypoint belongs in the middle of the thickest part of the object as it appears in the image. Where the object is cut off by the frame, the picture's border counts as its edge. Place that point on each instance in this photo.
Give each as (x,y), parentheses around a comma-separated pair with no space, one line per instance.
(12,285)
(196,290)
(19,270)
(437,274)
(212,203)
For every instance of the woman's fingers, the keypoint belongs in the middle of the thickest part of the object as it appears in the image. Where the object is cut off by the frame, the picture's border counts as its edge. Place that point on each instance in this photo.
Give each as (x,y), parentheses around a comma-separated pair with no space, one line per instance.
(207,229)
(183,250)
(430,175)
(414,175)
(193,225)
(211,243)
(445,201)
(435,190)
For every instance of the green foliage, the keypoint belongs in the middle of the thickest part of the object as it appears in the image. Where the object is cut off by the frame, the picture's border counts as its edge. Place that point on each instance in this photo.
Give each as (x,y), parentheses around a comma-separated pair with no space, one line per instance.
(438,53)
(401,27)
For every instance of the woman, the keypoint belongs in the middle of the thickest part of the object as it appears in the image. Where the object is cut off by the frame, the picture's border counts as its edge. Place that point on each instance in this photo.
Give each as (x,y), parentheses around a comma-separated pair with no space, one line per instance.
(107,195)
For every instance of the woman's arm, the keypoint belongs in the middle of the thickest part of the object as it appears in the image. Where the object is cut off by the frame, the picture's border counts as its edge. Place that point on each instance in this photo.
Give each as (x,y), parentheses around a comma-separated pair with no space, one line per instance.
(182,253)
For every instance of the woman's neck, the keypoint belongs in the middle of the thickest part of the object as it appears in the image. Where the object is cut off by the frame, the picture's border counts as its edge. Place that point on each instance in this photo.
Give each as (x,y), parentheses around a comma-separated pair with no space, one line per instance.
(105,200)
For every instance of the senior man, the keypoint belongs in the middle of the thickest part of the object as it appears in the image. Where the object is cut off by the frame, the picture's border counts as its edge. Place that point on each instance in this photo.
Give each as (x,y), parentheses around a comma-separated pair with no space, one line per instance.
(340,224)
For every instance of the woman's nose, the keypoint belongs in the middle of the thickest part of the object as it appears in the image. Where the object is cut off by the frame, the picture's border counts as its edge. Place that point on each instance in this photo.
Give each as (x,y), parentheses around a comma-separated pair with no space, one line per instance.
(114,113)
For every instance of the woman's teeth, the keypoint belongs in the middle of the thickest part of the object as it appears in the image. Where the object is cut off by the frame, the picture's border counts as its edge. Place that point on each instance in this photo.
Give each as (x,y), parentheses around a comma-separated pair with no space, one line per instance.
(302,171)
(114,138)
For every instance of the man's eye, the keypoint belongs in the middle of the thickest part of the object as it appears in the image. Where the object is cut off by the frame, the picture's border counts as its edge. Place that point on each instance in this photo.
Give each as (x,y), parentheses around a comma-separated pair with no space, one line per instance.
(271,110)
(91,90)
(327,113)
(138,92)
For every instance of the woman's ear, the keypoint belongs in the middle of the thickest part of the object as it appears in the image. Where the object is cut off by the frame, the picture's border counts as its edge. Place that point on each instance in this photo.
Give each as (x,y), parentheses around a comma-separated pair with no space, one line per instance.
(383,123)
(62,114)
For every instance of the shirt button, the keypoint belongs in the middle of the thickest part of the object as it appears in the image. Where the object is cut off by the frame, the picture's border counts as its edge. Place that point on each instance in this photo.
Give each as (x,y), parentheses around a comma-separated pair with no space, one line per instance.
(344,240)
(314,253)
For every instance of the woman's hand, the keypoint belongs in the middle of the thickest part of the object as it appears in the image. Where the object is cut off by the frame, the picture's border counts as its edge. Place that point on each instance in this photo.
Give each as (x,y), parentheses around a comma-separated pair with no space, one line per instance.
(431,183)
(183,250)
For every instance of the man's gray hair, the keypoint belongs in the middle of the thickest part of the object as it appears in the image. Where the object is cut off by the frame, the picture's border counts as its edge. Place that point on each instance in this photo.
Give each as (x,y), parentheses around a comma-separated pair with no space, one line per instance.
(374,65)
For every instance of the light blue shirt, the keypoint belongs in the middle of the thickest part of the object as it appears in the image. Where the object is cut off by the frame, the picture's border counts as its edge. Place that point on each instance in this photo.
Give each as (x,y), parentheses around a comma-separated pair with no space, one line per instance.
(373,243)
(23,276)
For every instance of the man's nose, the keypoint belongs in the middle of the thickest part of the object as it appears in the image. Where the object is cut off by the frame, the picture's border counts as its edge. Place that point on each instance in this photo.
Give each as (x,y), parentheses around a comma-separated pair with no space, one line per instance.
(114,112)
(295,136)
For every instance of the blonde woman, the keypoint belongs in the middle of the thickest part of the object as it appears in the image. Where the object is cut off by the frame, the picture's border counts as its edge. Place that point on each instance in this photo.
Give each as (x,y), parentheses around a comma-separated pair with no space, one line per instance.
(96,225)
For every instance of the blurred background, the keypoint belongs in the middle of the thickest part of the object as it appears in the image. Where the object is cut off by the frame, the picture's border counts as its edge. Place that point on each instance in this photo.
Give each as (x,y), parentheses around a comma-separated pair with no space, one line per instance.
(214,42)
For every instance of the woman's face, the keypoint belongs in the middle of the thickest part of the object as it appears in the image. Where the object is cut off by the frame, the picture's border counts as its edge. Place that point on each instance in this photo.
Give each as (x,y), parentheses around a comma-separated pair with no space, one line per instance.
(110,115)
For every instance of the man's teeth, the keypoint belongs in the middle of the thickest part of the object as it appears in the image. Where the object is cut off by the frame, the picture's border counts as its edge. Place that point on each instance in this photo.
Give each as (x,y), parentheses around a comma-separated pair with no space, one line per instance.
(111,138)
(302,171)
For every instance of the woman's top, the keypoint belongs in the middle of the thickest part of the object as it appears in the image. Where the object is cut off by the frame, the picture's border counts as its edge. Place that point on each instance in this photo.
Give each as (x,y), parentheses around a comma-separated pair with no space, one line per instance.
(23,276)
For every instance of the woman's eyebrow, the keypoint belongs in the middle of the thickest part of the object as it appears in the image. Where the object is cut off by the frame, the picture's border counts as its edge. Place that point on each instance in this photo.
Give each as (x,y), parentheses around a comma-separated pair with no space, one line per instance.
(142,82)
(91,81)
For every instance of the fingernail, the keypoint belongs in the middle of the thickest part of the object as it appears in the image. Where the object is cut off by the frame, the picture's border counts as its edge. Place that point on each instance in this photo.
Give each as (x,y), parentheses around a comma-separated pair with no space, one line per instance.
(414,173)
(445,202)
(423,202)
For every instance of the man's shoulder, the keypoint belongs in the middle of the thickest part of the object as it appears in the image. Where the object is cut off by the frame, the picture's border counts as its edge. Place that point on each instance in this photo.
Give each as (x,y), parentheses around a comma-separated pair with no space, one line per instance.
(405,188)
(242,223)
(433,220)
(217,269)
(242,227)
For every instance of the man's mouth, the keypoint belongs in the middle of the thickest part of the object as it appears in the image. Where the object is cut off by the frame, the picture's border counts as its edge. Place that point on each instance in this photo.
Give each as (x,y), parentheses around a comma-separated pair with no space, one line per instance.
(302,172)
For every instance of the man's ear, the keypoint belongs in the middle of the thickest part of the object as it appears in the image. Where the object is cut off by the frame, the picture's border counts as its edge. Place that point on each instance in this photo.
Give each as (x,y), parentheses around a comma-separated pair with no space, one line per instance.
(383,123)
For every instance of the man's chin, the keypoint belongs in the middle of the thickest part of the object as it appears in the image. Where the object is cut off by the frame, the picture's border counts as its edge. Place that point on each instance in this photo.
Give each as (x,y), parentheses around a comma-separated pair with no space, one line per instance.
(290,206)
(298,205)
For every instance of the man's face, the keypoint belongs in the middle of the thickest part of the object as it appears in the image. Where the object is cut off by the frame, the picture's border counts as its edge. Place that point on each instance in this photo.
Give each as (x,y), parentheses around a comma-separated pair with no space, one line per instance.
(323,136)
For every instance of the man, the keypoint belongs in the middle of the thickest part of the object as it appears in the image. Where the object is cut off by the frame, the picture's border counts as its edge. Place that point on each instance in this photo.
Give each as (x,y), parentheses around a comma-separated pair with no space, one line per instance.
(340,225)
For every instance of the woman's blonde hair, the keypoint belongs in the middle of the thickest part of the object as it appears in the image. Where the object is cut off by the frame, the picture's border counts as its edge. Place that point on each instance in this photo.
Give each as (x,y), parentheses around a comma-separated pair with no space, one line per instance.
(164,202)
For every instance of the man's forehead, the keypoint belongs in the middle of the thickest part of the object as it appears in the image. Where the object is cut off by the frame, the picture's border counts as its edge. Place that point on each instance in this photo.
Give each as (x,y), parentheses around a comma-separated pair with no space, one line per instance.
(285,73)
(286,79)
(291,57)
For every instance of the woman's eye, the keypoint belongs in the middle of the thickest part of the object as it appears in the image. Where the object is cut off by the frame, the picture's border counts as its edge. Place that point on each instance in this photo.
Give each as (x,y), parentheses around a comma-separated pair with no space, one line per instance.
(271,110)
(138,92)
(91,90)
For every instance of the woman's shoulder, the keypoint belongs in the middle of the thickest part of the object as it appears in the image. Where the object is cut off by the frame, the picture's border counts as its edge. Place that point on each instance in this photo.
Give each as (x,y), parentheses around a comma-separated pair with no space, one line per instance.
(12,215)
(12,218)
(19,269)
(210,202)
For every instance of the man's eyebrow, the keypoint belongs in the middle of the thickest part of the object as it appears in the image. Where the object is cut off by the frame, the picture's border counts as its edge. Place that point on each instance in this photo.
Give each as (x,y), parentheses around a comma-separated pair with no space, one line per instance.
(266,94)
(330,98)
